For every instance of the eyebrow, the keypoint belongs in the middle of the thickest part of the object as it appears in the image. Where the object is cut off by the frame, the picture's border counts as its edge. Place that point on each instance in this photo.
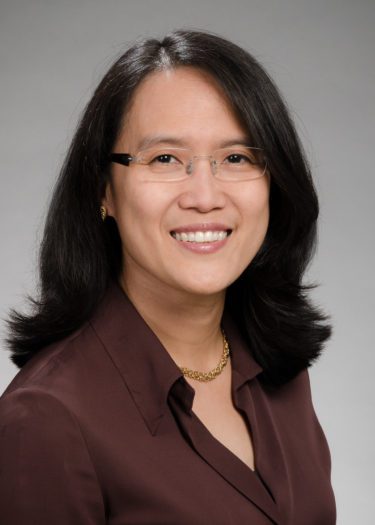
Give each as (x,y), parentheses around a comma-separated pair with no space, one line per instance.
(154,140)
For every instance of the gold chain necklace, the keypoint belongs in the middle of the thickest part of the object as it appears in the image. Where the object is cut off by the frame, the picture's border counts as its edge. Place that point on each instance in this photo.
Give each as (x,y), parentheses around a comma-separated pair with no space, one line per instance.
(209,376)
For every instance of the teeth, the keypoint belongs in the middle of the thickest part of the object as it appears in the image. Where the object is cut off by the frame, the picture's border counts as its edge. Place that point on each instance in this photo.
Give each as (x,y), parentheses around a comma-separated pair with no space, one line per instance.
(200,236)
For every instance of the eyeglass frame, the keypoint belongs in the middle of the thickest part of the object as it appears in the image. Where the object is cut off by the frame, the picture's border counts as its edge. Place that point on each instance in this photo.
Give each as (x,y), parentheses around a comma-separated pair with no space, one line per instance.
(126,159)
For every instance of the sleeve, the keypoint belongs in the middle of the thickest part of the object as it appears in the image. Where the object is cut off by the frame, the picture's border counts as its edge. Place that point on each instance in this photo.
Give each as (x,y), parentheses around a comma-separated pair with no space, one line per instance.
(46,474)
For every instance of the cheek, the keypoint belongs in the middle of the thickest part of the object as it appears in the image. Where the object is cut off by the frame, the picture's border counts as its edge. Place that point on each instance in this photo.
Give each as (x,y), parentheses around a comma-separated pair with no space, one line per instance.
(256,214)
(140,211)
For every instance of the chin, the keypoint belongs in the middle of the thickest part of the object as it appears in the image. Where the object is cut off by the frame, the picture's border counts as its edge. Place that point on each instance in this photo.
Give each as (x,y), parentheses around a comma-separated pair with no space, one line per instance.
(205,287)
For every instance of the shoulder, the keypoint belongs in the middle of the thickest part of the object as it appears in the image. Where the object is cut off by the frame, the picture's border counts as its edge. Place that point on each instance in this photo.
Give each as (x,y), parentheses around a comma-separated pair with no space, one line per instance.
(35,411)
(45,462)
(293,408)
(292,403)
(56,393)
(297,389)
(63,367)
(37,430)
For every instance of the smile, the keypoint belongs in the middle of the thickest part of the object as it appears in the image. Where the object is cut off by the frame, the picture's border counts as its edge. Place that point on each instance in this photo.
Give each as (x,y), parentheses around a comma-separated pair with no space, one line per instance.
(201,237)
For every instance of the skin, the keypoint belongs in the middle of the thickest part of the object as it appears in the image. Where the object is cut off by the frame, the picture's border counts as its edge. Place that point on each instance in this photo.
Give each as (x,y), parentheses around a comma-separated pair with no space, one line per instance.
(181,294)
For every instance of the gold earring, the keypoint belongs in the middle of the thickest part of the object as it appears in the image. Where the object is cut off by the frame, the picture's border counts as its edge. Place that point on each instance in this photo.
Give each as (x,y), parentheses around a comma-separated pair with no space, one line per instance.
(103,212)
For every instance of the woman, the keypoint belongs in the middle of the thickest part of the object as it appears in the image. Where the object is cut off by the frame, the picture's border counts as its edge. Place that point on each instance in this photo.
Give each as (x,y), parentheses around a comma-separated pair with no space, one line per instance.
(164,368)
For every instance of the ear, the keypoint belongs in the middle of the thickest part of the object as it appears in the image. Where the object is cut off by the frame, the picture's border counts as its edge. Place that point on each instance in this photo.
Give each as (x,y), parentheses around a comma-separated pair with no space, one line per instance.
(107,200)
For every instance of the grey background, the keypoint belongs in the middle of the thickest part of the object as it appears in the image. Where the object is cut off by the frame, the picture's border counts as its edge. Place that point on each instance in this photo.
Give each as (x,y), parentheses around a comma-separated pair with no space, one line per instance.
(320,53)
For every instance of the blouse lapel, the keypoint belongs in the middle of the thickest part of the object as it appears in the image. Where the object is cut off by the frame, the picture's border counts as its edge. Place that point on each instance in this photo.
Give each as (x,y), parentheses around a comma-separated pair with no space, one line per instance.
(227,464)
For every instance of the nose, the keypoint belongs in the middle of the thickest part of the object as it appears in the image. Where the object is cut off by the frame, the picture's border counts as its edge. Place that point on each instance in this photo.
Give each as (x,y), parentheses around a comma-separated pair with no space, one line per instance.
(202,190)
(191,165)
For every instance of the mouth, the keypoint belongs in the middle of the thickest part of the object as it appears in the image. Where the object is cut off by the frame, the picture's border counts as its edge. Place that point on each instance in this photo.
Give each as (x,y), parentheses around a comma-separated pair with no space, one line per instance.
(201,237)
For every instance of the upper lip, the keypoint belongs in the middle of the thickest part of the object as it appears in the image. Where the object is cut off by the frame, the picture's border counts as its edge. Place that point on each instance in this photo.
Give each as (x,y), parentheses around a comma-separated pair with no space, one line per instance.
(202,227)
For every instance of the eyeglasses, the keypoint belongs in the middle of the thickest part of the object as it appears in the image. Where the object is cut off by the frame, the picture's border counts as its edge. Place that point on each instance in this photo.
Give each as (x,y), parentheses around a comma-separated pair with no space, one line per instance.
(163,164)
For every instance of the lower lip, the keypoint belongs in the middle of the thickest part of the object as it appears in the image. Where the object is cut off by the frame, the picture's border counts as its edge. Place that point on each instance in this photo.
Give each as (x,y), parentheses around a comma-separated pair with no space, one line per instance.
(203,247)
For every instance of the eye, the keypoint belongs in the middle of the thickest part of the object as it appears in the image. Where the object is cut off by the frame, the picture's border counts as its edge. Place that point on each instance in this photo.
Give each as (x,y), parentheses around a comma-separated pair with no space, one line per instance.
(164,158)
(239,158)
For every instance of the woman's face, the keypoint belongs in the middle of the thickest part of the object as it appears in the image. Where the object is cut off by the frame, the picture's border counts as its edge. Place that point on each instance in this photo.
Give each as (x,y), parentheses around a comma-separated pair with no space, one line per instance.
(185,104)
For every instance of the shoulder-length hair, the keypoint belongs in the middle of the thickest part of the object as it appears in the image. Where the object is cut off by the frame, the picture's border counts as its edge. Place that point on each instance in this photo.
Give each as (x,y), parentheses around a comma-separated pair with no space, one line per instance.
(80,254)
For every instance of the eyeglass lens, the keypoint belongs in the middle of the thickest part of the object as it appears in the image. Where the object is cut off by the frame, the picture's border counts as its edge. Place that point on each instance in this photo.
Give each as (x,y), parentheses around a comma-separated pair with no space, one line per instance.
(235,163)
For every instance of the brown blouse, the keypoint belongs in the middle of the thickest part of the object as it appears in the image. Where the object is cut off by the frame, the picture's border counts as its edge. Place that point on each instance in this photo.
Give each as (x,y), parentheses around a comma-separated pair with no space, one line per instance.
(98,429)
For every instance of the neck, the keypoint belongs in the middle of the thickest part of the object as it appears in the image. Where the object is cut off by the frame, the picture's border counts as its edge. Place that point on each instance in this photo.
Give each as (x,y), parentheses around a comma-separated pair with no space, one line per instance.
(187,325)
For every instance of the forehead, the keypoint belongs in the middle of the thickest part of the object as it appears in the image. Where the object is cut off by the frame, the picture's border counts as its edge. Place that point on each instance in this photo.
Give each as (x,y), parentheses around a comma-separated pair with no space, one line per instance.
(185,102)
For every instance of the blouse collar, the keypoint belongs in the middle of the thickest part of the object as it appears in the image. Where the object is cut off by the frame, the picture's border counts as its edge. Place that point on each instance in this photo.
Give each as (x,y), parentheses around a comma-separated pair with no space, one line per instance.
(146,367)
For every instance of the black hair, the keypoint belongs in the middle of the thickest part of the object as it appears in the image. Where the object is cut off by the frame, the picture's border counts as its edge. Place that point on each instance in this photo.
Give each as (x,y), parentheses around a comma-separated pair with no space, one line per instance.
(80,255)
